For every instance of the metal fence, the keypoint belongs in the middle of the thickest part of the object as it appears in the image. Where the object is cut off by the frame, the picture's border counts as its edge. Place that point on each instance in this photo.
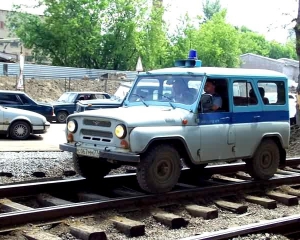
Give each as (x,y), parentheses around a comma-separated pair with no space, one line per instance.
(54,72)
(47,83)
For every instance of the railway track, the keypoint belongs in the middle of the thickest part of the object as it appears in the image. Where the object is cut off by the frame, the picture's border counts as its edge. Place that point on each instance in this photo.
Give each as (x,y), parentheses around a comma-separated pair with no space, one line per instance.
(55,201)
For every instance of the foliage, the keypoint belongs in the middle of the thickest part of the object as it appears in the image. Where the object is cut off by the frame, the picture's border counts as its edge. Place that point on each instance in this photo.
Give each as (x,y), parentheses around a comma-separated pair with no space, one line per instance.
(218,42)
(113,34)
(210,8)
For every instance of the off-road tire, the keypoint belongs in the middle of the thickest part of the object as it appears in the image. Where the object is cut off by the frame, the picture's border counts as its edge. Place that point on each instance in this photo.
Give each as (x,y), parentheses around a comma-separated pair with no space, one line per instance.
(163,156)
(264,169)
(61,116)
(13,130)
(91,168)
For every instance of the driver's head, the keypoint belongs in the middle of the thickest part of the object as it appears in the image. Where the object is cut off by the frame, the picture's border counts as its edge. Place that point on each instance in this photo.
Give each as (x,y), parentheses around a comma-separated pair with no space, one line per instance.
(209,87)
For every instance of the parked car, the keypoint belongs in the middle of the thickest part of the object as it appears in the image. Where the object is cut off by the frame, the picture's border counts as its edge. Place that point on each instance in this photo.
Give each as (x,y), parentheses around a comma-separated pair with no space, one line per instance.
(19,124)
(66,104)
(17,99)
(292,107)
(292,104)
(114,102)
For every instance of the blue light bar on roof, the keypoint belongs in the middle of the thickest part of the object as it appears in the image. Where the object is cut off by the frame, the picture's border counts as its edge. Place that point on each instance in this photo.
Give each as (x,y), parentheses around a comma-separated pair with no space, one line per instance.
(192,60)
(193,54)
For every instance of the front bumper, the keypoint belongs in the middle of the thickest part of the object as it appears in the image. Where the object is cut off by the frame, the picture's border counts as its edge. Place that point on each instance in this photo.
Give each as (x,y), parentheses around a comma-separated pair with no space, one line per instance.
(41,129)
(51,118)
(118,156)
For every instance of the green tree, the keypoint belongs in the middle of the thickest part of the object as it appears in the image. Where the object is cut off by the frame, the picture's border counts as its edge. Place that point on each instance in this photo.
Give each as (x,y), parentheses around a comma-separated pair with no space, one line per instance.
(69,32)
(278,50)
(210,8)
(94,34)
(122,32)
(154,43)
(251,42)
(218,42)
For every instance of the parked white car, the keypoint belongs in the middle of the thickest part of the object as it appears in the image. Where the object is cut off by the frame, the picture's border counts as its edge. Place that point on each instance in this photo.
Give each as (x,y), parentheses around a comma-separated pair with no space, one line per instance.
(19,124)
(292,104)
(292,107)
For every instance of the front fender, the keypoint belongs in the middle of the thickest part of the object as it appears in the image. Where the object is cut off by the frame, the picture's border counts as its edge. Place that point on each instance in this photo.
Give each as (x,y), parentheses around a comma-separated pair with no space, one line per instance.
(58,109)
(20,118)
(141,137)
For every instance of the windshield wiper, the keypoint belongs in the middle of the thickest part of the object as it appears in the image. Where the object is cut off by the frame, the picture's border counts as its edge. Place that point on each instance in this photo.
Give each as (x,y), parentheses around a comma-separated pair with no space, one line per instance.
(170,99)
(141,97)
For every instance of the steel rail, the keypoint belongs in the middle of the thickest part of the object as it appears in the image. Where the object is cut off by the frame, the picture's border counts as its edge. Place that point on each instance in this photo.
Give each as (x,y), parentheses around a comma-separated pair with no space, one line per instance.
(280,225)
(82,208)
(25,189)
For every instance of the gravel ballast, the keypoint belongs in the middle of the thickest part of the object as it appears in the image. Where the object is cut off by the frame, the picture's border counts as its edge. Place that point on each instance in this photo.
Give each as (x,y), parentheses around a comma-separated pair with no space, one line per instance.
(21,166)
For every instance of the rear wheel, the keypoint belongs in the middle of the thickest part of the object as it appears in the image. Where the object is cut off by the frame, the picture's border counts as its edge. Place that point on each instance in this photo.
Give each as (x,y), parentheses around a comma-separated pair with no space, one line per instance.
(61,116)
(91,168)
(19,130)
(265,162)
(159,169)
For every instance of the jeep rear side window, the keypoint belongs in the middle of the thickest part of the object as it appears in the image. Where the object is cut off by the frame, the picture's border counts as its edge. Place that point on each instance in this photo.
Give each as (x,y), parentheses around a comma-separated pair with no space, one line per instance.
(243,94)
(272,92)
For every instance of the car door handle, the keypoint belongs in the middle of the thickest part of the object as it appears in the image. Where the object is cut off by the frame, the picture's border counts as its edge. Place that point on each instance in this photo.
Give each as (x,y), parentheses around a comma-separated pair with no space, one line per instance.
(255,117)
(225,118)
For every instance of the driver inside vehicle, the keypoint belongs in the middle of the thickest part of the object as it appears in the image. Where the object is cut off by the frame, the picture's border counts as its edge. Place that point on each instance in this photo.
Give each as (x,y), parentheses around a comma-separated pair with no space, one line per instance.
(182,93)
(209,88)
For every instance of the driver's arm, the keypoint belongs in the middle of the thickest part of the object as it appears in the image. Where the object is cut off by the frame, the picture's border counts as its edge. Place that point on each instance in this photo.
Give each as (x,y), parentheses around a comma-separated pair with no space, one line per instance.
(217,103)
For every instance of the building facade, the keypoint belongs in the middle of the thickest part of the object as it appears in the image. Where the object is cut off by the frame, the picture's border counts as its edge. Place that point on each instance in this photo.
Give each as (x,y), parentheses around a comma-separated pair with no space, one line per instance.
(11,47)
(289,67)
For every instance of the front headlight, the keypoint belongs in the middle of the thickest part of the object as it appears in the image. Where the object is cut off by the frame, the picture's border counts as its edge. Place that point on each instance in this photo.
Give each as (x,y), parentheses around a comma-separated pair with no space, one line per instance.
(120,131)
(72,126)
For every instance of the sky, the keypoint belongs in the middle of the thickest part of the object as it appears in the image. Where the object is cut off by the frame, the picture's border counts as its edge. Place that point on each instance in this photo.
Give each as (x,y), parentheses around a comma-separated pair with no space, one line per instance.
(267,17)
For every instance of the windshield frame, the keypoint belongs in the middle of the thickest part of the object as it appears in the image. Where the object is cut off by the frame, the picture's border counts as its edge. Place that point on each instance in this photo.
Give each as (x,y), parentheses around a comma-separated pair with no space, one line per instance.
(192,107)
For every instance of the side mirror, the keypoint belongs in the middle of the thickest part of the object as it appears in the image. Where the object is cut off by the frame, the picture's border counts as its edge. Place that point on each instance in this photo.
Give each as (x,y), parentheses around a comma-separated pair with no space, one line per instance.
(206,102)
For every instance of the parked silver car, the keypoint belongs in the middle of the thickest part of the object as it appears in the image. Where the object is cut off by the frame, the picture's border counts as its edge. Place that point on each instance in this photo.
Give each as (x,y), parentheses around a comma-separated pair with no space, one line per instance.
(19,124)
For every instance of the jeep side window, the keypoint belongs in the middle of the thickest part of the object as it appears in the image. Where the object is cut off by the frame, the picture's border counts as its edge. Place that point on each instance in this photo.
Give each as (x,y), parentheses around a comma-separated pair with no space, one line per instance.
(221,91)
(243,94)
(272,92)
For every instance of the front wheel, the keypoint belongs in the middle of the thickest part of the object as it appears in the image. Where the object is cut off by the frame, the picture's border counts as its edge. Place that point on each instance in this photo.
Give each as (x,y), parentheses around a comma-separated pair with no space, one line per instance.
(159,169)
(265,162)
(61,116)
(91,168)
(19,130)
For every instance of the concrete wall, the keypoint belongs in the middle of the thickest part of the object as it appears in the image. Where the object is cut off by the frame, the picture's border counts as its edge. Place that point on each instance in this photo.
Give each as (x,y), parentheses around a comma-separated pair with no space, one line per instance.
(12,48)
(287,66)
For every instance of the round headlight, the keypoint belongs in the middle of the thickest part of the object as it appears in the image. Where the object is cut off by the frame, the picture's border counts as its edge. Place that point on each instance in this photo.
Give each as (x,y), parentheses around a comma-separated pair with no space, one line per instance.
(120,131)
(72,126)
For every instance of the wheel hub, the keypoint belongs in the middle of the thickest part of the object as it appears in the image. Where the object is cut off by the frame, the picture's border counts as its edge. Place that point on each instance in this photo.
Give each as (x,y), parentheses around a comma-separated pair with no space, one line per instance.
(62,117)
(266,160)
(20,130)
(163,170)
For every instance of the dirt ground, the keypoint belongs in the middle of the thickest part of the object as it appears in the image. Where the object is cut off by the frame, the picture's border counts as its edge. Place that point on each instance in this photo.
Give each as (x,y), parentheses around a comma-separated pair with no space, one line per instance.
(51,90)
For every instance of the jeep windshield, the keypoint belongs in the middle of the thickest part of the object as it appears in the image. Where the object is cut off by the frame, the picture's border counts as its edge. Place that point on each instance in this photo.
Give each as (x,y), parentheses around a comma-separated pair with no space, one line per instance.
(173,90)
